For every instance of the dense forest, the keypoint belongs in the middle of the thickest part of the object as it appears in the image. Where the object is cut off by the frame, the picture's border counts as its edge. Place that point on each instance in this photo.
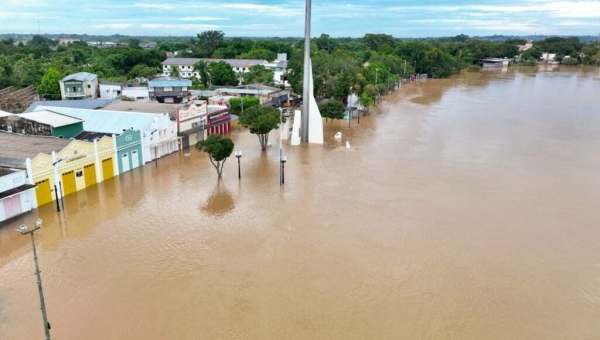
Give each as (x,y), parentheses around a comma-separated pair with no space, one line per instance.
(364,64)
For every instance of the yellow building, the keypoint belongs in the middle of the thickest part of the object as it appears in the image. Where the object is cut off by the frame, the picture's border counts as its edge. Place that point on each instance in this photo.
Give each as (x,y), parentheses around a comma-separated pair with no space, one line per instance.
(79,165)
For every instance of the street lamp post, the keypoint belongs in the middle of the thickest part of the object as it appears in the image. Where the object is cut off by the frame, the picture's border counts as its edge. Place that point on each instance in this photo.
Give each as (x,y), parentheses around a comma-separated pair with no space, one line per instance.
(283,160)
(238,154)
(376,74)
(280,143)
(24,231)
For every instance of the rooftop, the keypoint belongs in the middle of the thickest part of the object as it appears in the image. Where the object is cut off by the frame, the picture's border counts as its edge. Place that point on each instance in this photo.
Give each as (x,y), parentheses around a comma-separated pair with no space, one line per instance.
(232,62)
(169,81)
(107,121)
(81,76)
(126,106)
(17,148)
(81,104)
(50,118)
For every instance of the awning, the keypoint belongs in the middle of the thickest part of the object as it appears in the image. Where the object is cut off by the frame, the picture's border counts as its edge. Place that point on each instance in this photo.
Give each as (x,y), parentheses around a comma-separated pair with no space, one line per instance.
(206,127)
(16,190)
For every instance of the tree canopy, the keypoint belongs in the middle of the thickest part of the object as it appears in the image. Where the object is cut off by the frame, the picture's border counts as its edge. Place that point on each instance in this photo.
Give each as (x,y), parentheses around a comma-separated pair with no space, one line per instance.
(222,74)
(244,103)
(218,149)
(261,120)
(332,109)
(50,86)
(258,74)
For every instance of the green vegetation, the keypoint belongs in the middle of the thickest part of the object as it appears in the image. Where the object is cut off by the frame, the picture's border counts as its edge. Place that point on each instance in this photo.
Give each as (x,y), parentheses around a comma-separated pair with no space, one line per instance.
(261,120)
(243,103)
(332,109)
(218,150)
(339,64)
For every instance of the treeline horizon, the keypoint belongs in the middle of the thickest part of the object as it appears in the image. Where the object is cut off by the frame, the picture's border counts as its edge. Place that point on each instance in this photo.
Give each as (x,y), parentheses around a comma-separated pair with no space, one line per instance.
(147,38)
(366,65)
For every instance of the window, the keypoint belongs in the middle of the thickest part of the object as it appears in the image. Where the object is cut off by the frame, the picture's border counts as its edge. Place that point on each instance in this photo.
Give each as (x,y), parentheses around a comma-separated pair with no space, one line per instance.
(89,86)
(177,88)
(159,89)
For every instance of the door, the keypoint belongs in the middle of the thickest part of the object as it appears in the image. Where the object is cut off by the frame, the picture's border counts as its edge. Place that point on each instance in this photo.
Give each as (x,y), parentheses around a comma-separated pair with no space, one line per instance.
(185,142)
(125,162)
(135,160)
(12,206)
(89,173)
(42,192)
(68,182)
(108,170)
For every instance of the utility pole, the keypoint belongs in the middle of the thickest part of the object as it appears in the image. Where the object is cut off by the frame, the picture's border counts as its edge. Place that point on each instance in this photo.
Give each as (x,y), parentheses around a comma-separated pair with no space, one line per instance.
(376,73)
(403,73)
(24,231)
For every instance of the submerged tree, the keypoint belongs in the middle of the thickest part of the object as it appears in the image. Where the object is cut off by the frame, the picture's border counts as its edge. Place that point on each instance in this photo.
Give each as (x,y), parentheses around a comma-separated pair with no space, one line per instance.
(332,109)
(218,150)
(261,120)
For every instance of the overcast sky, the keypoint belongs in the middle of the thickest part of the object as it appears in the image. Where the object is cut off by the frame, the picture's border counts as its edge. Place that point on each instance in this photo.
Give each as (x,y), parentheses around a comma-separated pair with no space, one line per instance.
(285,18)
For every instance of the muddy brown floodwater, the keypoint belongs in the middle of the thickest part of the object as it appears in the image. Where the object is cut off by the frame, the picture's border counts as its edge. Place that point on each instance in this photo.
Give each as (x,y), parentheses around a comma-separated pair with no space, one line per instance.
(468,208)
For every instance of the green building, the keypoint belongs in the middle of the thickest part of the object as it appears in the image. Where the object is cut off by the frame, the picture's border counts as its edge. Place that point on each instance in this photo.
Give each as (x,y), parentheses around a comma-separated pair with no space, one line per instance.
(82,85)
(129,150)
(41,123)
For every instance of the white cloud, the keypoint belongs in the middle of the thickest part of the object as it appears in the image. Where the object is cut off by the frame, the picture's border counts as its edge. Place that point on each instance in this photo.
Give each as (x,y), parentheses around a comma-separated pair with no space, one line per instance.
(203,19)
(113,26)
(154,6)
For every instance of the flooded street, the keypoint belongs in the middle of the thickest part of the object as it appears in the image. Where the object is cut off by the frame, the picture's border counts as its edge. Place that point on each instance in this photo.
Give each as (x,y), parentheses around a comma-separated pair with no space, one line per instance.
(468,208)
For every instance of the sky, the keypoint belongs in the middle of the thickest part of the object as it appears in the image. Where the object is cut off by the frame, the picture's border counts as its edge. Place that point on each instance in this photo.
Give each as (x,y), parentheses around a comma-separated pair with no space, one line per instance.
(285,18)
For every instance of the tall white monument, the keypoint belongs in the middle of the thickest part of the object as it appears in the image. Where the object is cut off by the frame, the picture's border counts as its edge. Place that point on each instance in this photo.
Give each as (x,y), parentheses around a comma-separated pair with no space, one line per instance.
(315,120)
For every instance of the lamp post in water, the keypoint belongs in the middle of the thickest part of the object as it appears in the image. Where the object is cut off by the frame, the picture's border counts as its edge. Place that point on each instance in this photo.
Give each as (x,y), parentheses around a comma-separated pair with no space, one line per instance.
(238,154)
(24,231)
(283,160)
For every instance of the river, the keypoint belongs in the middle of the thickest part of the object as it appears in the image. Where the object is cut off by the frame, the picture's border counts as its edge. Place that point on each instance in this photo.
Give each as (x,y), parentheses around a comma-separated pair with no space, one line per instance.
(467,208)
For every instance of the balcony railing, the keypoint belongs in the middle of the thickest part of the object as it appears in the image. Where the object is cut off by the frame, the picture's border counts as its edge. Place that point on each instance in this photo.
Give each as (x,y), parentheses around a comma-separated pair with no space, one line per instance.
(74,94)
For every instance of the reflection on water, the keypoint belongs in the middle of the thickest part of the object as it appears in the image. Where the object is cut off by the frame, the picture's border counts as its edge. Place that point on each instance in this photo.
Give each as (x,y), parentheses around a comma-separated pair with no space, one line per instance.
(220,202)
(466,209)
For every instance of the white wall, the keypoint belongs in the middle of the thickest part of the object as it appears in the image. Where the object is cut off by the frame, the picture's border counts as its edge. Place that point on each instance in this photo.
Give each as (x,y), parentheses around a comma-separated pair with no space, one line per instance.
(13,180)
(140,94)
(109,91)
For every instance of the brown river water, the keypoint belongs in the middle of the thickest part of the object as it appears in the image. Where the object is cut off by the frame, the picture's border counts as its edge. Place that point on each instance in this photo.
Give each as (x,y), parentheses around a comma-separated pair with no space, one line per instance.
(467,208)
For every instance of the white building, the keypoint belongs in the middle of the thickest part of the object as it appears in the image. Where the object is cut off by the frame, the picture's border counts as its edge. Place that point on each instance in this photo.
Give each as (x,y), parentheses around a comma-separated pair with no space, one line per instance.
(159,132)
(185,66)
(137,93)
(110,90)
(17,194)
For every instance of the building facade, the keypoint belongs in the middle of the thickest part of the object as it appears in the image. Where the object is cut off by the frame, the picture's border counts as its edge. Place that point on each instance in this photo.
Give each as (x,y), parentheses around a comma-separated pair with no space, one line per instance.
(129,150)
(79,165)
(159,132)
(82,85)
(17,194)
(169,90)
(185,66)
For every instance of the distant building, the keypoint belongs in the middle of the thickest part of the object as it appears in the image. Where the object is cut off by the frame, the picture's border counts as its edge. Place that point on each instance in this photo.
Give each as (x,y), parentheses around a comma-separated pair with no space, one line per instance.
(148,45)
(168,89)
(186,66)
(80,85)
(110,90)
(525,47)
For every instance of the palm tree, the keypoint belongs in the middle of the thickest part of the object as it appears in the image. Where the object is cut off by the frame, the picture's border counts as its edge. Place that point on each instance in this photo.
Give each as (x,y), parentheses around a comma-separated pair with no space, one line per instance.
(174,71)
(202,68)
